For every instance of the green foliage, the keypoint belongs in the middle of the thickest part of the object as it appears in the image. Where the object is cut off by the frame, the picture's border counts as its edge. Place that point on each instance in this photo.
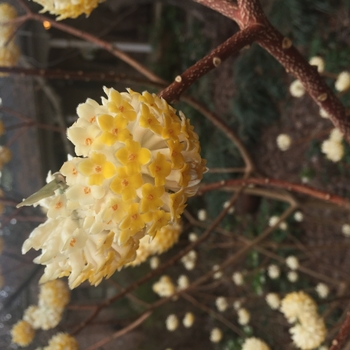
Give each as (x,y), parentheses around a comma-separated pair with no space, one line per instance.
(300,19)
(259,87)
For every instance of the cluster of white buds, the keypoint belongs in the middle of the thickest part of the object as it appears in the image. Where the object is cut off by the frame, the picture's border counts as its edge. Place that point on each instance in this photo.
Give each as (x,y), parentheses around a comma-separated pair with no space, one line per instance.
(333,147)
(309,330)
(164,287)
(53,297)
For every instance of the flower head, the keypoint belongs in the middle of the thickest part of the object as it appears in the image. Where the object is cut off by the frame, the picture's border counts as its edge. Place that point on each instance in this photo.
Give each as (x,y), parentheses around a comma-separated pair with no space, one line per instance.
(243,316)
(215,335)
(318,62)
(221,303)
(188,320)
(164,239)
(254,344)
(62,341)
(309,334)
(172,322)
(54,294)
(140,162)
(296,88)
(68,8)
(322,290)
(283,142)
(273,300)
(164,287)
(297,304)
(343,81)
(7,13)
(292,262)
(22,333)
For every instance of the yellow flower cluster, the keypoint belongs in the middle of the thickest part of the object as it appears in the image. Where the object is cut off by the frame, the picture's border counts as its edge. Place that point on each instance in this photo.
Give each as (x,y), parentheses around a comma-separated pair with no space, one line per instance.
(138,163)
(68,8)
(164,240)
(309,330)
(9,51)
(62,341)
(7,13)
(22,333)
(53,297)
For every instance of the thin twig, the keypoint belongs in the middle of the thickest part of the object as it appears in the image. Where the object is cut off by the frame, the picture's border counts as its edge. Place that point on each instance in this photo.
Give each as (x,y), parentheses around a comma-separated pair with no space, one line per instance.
(343,334)
(121,332)
(290,186)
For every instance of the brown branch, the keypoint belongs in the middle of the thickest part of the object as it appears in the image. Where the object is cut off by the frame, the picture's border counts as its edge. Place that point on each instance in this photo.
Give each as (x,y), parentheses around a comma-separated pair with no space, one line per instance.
(214,314)
(290,186)
(280,47)
(78,75)
(228,48)
(121,332)
(220,124)
(342,335)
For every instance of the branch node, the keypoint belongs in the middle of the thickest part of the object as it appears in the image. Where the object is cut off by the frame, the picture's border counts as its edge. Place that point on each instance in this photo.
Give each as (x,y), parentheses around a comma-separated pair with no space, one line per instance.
(178,79)
(216,61)
(322,97)
(286,43)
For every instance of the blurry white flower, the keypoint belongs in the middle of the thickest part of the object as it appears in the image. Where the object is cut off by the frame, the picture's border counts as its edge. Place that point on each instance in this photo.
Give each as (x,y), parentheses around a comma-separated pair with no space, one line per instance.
(336,135)
(333,150)
(183,282)
(164,287)
(292,262)
(292,276)
(318,62)
(172,322)
(62,341)
(202,215)
(188,320)
(243,316)
(322,290)
(296,88)
(192,237)
(298,216)
(22,333)
(324,113)
(226,204)
(309,335)
(273,271)
(296,305)
(283,142)
(343,81)
(273,300)
(254,344)
(218,273)
(345,229)
(221,304)
(215,335)
(154,262)
(237,278)
(273,221)
(189,260)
